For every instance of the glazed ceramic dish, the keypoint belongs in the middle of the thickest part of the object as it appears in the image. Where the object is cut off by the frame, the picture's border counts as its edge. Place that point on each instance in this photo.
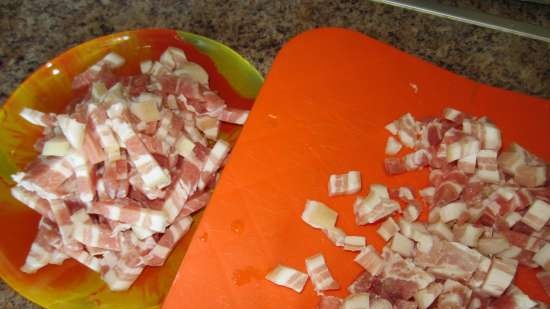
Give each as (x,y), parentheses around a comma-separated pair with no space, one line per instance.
(71,285)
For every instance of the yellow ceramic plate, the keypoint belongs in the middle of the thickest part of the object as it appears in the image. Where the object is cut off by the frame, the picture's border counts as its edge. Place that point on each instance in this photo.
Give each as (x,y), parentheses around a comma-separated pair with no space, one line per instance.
(49,89)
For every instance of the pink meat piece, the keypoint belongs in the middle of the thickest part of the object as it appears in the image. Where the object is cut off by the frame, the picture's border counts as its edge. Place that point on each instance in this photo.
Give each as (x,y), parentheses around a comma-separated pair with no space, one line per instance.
(456,262)
(416,160)
(394,166)
(362,283)
(447,191)
(92,147)
(405,304)
(195,203)
(42,248)
(95,235)
(95,73)
(329,302)
(123,273)
(454,296)
(135,84)
(213,162)
(185,185)
(173,234)
(33,201)
(62,217)
(45,176)
(234,115)
(128,211)
(115,178)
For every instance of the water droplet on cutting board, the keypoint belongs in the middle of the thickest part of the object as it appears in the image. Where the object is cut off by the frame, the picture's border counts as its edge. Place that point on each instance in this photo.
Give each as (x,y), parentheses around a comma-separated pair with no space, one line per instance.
(246,275)
(203,237)
(237,226)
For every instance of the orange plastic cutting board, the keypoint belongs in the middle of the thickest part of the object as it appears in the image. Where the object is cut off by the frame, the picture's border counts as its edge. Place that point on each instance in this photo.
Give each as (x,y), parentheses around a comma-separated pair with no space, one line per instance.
(322,110)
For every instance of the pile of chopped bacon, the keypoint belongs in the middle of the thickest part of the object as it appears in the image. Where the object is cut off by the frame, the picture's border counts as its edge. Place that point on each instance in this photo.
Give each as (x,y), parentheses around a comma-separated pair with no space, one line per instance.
(489,212)
(121,172)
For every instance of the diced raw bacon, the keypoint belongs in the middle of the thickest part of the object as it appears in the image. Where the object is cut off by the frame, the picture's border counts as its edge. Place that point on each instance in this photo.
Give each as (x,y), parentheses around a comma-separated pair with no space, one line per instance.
(427,194)
(454,295)
(441,230)
(486,132)
(62,218)
(95,235)
(354,243)
(91,146)
(380,303)
(72,129)
(394,166)
(348,183)
(183,188)
(33,201)
(329,302)
(393,146)
(362,283)
(537,215)
(369,259)
(213,162)
(111,147)
(173,58)
(387,229)
(499,277)
(542,257)
(56,146)
(481,272)
(319,273)
(84,183)
(375,206)
(336,235)
(128,212)
(417,159)
(412,211)
(487,166)
(191,130)
(38,118)
(405,304)
(121,276)
(544,279)
(288,277)
(510,161)
(210,126)
(467,234)
(452,211)
(401,277)
(447,191)
(193,70)
(530,176)
(453,115)
(46,176)
(425,297)
(82,257)
(356,301)
(174,233)
(514,298)
(195,203)
(402,245)
(234,115)
(318,215)
(41,251)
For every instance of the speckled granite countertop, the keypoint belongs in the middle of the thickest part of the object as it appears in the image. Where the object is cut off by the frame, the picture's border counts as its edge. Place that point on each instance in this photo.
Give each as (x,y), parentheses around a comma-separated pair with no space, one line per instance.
(31,32)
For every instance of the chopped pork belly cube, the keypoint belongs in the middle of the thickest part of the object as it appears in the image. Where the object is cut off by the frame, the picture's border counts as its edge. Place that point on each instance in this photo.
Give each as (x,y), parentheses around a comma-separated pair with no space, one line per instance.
(500,276)
(530,176)
(412,212)
(442,230)
(375,206)
(454,295)
(319,273)
(402,245)
(356,301)
(370,260)
(37,118)
(288,277)
(329,302)
(387,229)
(537,215)
(487,166)
(336,235)
(146,111)
(354,243)
(234,115)
(393,146)
(72,129)
(481,272)
(453,115)
(56,146)
(380,303)
(493,245)
(514,298)
(452,211)
(542,257)
(348,183)
(318,215)
(467,234)
(425,297)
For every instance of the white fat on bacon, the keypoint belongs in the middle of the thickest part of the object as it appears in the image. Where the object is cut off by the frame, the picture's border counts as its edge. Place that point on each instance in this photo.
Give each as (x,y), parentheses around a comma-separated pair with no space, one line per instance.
(318,215)
(336,235)
(375,206)
(542,257)
(72,129)
(500,276)
(370,260)
(288,277)
(56,146)
(356,301)
(319,273)
(393,146)
(348,183)
(354,243)
(387,229)
(537,215)
(402,245)
(425,297)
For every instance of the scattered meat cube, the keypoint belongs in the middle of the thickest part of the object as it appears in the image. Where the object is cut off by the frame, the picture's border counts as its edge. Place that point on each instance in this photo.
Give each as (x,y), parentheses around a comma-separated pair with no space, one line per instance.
(402,245)
(319,273)
(370,260)
(348,183)
(387,229)
(425,297)
(542,257)
(288,277)
(329,302)
(500,276)
(318,215)
(537,215)
(354,243)
(356,301)
(393,146)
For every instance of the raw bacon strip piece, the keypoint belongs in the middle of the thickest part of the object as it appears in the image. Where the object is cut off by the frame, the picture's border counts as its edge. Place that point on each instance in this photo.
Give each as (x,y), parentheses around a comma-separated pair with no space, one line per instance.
(173,58)
(370,260)
(481,272)
(448,191)
(213,162)
(193,70)
(356,301)
(537,215)
(184,187)
(530,176)
(45,177)
(387,229)
(441,230)
(33,201)
(288,277)
(380,303)
(38,118)
(115,177)
(402,245)
(544,279)
(393,146)
(487,166)
(348,183)
(375,206)
(425,297)
(319,273)
(123,274)
(456,262)
(98,117)
(96,236)
(509,161)
(407,129)
(362,283)
(404,273)
(318,215)
(191,130)
(41,251)
(62,217)
(168,130)
(195,203)
(234,115)
(210,126)
(415,160)
(168,241)
(72,129)
(412,211)
(542,257)
(329,302)
(56,146)
(83,257)
(336,235)
(354,243)
(453,115)
(500,276)
(514,298)
(84,184)
(455,295)
(394,166)
(151,173)
(452,211)
(467,234)
(128,212)
(91,146)
(137,183)
(486,132)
